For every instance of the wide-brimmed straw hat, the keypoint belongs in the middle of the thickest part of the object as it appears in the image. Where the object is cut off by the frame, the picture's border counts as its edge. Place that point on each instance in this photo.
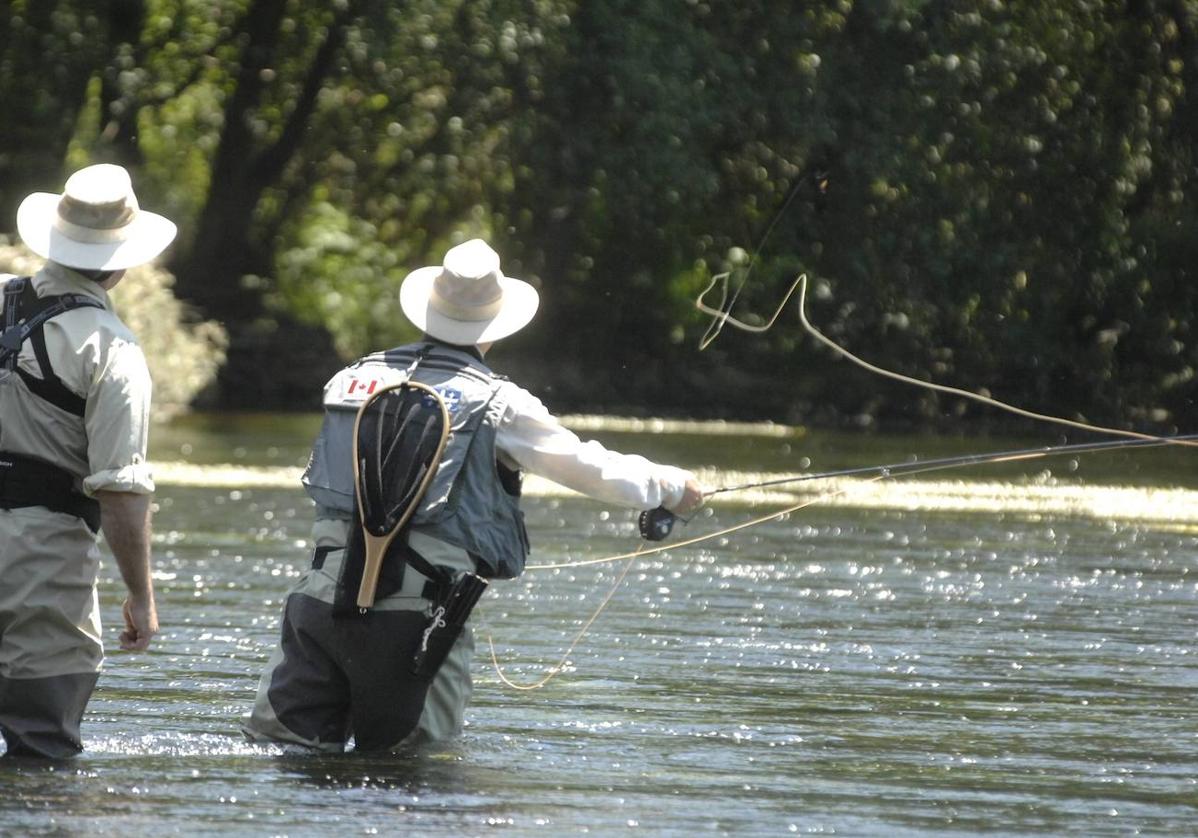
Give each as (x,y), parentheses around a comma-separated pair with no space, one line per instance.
(95,224)
(467,299)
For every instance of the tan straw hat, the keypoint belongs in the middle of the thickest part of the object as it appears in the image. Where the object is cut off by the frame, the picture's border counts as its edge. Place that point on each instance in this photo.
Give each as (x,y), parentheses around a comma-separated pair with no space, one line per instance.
(95,224)
(467,299)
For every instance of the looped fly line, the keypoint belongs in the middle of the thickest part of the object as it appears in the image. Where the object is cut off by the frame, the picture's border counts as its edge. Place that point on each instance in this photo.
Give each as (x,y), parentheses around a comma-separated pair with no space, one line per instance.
(724,316)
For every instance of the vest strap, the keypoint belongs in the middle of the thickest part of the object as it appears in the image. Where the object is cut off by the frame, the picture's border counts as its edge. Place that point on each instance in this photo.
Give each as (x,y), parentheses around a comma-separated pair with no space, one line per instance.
(28,481)
(432,587)
(11,338)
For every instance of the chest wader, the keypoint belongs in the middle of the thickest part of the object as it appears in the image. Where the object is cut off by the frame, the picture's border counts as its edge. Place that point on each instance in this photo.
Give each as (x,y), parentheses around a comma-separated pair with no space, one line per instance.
(400,435)
(362,651)
(40,714)
(24,480)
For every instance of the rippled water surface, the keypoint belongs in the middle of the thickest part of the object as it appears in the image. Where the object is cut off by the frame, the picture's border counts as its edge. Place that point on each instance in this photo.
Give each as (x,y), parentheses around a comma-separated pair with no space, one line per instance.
(900,666)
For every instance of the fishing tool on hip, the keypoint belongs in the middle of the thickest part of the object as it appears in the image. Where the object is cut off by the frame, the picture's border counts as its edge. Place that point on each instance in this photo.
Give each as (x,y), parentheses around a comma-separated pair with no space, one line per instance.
(450,613)
(399,436)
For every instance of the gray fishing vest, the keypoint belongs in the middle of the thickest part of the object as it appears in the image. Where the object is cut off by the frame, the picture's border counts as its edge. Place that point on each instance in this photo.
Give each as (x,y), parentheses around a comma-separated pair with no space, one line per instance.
(472,501)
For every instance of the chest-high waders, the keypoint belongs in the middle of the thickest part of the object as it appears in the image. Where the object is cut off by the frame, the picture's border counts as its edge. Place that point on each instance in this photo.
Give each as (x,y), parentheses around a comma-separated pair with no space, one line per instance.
(49,620)
(27,480)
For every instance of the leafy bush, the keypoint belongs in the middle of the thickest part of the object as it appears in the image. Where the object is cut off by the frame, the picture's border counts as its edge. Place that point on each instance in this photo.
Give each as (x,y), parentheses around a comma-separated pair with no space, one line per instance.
(183,353)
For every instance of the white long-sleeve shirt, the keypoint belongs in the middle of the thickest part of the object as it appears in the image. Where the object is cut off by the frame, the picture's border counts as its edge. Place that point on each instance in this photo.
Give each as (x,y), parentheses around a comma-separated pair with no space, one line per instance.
(537,442)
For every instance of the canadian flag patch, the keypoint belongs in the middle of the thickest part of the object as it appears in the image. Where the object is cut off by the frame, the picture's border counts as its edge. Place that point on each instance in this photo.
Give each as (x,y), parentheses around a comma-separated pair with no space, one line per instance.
(349,389)
(361,387)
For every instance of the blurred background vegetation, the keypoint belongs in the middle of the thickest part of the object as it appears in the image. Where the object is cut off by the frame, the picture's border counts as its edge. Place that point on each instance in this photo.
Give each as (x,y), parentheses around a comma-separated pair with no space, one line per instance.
(996,196)
(184,354)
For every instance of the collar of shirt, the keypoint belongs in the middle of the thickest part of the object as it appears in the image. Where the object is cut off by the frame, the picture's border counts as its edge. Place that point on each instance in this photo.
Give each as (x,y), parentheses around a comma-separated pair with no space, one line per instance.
(54,278)
(473,351)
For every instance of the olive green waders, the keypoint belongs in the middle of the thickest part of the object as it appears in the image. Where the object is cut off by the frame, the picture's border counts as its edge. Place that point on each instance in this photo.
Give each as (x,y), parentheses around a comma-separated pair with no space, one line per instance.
(50,651)
(331,678)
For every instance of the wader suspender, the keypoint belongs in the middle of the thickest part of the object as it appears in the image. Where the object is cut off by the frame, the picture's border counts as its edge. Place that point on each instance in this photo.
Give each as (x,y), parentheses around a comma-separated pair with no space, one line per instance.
(24,480)
(20,297)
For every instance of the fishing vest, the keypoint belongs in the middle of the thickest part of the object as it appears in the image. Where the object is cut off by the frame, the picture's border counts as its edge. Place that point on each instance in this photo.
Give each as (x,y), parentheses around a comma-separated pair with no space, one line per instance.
(472,501)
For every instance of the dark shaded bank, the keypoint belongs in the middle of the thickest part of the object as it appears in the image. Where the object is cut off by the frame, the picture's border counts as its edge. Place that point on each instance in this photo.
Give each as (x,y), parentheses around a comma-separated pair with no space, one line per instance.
(282,366)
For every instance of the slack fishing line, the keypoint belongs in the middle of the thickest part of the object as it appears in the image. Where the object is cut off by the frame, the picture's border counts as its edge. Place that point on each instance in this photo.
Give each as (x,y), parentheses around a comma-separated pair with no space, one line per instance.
(565,657)
(656,524)
(629,559)
(884,472)
(878,473)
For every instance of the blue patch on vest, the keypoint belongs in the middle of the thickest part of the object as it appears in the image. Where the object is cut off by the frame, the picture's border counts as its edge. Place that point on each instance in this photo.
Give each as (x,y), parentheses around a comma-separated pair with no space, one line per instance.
(451,397)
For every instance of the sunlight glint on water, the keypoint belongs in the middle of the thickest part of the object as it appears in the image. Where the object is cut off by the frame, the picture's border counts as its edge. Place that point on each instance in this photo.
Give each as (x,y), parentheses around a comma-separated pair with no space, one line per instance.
(1014,657)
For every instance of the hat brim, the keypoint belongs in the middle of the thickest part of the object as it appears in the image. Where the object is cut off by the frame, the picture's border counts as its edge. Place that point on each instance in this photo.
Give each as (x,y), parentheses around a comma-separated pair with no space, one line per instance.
(520,301)
(147,236)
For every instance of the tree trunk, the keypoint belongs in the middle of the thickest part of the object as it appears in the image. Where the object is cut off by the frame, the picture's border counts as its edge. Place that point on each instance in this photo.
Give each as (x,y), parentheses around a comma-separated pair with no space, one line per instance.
(271,362)
(39,121)
(210,271)
(118,114)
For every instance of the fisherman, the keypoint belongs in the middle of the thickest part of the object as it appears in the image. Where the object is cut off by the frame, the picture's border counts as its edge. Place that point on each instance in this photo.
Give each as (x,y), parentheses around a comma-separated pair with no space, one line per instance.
(74,418)
(338,672)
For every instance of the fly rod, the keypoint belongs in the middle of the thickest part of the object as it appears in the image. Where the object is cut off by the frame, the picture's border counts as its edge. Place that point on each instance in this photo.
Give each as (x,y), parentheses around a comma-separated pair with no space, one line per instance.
(656,524)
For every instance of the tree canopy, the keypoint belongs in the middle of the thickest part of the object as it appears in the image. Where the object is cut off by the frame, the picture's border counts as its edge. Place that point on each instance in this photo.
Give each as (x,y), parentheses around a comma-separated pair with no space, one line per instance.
(989,195)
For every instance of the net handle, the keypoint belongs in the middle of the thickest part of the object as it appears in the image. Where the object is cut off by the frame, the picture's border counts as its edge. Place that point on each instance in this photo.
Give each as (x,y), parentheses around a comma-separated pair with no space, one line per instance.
(376,545)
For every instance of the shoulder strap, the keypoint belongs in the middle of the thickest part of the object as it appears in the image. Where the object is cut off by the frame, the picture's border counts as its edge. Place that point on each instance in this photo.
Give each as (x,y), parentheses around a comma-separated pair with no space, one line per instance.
(11,337)
(20,297)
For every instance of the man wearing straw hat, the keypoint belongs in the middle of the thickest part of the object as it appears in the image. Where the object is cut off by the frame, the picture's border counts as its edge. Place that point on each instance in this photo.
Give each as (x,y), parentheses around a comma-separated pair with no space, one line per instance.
(74,418)
(334,676)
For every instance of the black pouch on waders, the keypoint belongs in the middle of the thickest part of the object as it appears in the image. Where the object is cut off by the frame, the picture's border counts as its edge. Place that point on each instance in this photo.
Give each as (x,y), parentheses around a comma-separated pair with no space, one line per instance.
(451,610)
(399,436)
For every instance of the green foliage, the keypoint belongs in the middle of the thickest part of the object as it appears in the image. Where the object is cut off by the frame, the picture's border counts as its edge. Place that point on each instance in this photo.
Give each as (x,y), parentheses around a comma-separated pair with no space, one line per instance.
(183,353)
(989,195)
(339,274)
(1020,158)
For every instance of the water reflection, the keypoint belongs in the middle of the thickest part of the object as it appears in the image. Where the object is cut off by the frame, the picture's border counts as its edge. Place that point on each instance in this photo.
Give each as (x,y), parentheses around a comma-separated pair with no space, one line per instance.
(844,669)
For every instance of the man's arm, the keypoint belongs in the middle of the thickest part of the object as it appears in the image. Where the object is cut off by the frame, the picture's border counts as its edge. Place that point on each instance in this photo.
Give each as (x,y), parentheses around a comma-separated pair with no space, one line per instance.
(125,519)
(536,441)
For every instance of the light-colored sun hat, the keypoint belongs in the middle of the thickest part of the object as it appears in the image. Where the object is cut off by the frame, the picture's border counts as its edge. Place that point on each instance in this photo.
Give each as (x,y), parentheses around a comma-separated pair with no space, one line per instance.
(95,224)
(467,299)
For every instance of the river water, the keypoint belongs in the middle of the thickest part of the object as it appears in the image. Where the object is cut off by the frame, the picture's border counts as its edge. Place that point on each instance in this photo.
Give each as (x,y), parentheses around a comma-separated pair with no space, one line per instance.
(1004,649)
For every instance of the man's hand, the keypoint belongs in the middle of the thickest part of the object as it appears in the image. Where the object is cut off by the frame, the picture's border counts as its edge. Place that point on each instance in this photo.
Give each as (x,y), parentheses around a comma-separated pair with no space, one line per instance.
(141,624)
(692,499)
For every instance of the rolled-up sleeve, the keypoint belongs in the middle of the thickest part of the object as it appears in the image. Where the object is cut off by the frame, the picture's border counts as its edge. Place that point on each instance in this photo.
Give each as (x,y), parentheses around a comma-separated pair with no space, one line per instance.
(536,441)
(118,421)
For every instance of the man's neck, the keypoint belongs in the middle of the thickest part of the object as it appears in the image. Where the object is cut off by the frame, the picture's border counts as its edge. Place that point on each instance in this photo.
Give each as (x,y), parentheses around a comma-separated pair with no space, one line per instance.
(473,350)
